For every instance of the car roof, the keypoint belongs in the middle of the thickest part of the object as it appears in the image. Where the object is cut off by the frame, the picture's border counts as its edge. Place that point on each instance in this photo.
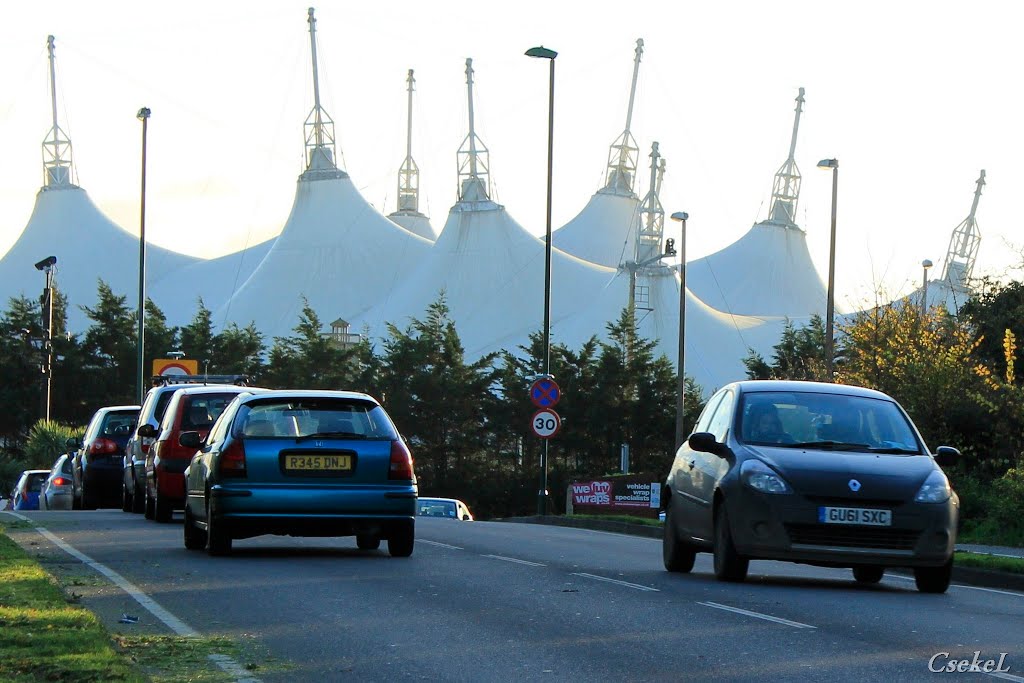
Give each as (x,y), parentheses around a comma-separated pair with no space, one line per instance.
(760,385)
(35,472)
(211,389)
(111,409)
(311,393)
(443,500)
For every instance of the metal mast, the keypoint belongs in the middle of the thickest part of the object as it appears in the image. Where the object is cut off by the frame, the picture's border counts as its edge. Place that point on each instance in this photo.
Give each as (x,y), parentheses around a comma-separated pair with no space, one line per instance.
(652,215)
(786,189)
(58,168)
(963,245)
(319,127)
(473,156)
(624,154)
(409,173)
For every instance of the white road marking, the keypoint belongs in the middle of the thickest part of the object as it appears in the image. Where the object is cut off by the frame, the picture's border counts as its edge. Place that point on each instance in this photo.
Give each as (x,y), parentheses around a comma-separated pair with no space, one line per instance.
(439,545)
(757,615)
(226,663)
(627,584)
(1005,676)
(960,585)
(512,559)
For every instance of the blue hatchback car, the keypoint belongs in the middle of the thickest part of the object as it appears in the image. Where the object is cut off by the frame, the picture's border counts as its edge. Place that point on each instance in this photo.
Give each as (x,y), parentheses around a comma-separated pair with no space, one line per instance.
(300,463)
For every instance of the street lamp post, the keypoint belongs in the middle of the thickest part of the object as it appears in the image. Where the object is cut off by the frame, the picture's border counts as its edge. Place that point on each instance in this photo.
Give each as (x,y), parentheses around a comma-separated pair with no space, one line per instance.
(47,265)
(143,116)
(545,53)
(830,305)
(681,216)
(925,265)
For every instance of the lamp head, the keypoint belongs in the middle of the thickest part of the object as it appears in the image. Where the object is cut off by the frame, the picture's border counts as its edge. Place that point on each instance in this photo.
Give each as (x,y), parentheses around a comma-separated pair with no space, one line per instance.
(926,264)
(143,114)
(541,52)
(46,263)
(680,216)
(828,163)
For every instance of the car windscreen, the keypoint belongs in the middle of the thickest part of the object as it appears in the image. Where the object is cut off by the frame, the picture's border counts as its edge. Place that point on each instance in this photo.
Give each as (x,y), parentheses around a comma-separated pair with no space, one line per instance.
(312,417)
(436,508)
(119,424)
(826,420)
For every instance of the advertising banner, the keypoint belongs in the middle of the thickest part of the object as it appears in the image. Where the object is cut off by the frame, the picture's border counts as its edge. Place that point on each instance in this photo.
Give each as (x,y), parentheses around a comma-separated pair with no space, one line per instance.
(638,495)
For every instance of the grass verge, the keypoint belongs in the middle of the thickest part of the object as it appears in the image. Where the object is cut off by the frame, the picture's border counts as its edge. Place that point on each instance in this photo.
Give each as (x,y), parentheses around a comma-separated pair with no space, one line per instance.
(628,519)
(991,562)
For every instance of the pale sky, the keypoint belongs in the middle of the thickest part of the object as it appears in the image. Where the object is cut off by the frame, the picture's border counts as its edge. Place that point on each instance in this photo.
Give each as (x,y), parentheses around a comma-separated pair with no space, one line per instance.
(913,98)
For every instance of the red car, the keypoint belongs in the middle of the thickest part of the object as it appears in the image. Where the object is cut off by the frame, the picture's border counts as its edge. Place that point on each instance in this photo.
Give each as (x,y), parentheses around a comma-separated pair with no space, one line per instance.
(191,409)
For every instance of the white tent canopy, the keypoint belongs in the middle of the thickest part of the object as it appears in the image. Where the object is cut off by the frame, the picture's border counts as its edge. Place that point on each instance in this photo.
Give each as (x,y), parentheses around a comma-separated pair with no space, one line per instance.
(603,232)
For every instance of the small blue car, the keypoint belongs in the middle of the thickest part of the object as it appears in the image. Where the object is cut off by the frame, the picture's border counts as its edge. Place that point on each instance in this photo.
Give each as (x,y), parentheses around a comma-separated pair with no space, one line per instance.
(26,491)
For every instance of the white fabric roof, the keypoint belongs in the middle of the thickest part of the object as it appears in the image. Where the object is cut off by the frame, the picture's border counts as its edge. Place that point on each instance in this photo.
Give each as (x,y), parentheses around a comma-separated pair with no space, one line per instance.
(89,246)
(603,232)
(214,280)
(767,272)
(335,250)
(416,223)
(492,271)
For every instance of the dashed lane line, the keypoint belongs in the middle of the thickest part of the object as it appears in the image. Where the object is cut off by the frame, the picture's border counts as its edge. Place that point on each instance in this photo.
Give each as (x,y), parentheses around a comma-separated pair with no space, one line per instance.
(627,584)
(517,561)
(757,615)
(226,663)
(438,544)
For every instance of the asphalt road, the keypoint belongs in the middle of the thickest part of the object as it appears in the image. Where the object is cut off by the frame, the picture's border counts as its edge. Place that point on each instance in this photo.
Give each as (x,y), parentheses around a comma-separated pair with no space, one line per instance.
(491,601)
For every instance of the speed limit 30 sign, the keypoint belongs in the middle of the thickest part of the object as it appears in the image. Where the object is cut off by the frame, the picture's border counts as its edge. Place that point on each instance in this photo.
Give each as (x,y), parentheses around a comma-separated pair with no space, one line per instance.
(545,423)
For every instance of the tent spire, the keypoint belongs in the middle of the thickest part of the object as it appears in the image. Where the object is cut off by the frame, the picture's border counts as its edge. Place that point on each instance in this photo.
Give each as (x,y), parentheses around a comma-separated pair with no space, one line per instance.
(319,128)
(964,243)
(57,157)
(473,156)
(623,154)
(786,189)
(652,215)
(409,173)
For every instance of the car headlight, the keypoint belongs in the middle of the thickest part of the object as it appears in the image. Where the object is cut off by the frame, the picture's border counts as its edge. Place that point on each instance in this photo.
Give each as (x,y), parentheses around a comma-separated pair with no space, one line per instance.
(935,489)
(760,477)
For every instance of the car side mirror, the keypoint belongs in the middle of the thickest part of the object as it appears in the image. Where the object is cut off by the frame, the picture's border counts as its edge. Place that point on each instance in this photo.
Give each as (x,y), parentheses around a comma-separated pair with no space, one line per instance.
(190,440)
(465,518)
(946,456)
(72,443)
(705,442)
(147,430)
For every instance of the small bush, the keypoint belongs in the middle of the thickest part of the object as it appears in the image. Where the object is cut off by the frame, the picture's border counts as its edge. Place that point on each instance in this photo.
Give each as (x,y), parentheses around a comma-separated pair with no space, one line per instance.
(47,441)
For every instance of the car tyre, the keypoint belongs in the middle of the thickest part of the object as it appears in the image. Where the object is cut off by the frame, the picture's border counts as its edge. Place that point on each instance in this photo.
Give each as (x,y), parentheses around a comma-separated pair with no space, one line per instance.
(677,555)
(729,566)
(868,574)
(934,579)
(195,538)
(127,499)
(368,542)
(218,541)
(139,500)
(89,501)
(402,540)
(150,508)
(162,508)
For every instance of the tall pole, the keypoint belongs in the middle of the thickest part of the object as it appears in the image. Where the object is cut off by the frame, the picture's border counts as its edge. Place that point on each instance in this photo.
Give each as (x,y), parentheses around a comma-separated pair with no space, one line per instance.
(143,116)
(830,305)
(542,494)
(49,337)
(925,265)
(681,216)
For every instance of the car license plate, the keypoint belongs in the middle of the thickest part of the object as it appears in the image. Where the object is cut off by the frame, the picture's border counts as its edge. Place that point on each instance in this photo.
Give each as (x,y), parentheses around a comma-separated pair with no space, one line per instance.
(858,516)
(318,463)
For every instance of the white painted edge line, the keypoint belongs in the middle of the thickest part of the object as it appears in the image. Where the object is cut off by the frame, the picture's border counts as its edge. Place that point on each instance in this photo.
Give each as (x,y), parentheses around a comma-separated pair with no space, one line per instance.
(226,663)
(757,615)
(627,584)
(512,559)
(438,544)
(1004,676)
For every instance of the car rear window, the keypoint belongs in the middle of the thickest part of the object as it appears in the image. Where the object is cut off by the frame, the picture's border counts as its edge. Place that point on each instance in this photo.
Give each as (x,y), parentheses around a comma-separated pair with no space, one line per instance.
(437,508)
(202,410)
(35,481)
(67,467)
(118,424)
(310,417)
(161,405)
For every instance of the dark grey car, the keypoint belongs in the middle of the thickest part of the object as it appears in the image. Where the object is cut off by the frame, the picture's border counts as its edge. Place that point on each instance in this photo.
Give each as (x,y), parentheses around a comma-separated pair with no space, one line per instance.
(822,474)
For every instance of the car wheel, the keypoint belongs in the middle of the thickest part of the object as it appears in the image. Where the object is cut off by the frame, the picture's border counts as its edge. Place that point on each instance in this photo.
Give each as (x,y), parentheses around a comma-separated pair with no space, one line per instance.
(127,498)
(161,507)
(729,566)
(868,574)
(368,542)
(677,555)
(89,501)
(149,511)
(934,579)
(139,500)
(195,538)
(218,541)
(401,540)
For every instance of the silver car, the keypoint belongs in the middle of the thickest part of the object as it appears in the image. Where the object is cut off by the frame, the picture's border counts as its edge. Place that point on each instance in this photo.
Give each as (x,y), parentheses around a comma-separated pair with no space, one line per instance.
(58,490)
(821,474)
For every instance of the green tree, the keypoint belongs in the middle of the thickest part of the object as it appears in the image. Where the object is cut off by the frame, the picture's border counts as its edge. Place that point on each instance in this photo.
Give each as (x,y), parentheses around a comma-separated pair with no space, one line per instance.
(20,362)
(311,359)
(197,338)
(800,354)
(110,349)
(997,307)
(238,351)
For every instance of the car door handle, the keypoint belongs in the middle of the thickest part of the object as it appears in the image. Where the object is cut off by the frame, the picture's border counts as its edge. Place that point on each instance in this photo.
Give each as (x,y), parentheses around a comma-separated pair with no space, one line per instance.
(692,463)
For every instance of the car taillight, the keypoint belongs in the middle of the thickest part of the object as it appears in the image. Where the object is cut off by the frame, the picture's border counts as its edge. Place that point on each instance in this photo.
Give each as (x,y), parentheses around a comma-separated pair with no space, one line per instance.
(232,459)
(103,447)
(60,481)
(401,461)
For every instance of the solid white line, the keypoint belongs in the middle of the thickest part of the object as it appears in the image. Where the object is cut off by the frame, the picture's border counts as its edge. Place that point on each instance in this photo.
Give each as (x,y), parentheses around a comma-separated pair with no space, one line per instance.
(757,615)
(627,584)
(172,622)
(990,590)
(439,545)
(512,559)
